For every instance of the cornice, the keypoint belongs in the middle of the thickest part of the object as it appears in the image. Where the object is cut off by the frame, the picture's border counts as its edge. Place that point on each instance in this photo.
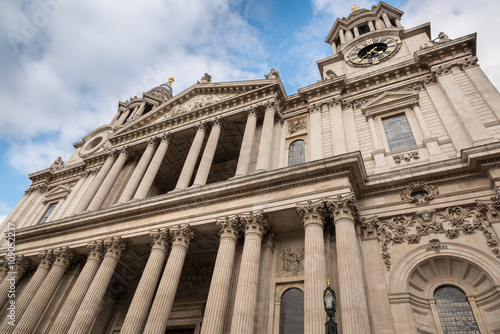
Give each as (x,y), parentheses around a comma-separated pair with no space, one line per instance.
(441,52)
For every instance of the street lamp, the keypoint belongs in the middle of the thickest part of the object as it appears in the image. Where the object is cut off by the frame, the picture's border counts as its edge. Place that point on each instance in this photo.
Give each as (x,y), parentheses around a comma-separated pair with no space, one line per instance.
(330,307)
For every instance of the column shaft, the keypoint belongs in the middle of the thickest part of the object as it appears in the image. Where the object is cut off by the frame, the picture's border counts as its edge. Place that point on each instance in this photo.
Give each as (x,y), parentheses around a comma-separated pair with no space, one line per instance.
(138,173)
(191,159)
(22,302)
(266,139)
(77,293)
(143,296)
(314,266)
(248,280)
(154,166)
(34,311)
(90,305)
(106,185)
(140,111)
(164,299)
(123,117)
(96,184)
(247,144)
(13,278)
(208,154)
(216,308)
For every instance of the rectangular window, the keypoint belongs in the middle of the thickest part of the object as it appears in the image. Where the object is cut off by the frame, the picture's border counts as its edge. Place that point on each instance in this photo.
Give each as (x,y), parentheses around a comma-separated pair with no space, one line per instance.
(398,132)
(47,213)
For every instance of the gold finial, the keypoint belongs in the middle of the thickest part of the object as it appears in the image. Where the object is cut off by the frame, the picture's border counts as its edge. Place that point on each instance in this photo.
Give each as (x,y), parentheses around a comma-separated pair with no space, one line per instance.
(354,8)
(171,80)
(328,281)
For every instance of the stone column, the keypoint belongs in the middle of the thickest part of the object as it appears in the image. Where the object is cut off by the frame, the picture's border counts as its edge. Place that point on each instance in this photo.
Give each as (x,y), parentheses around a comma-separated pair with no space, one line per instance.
(96,183)
(22,302)
(62,258)
(208,154)
(371,26)
(106,185)
(4,268)
(247,143)
(314,265)
(387,22)
(216,308)
(192,157)
(123,117)
(80,288)
(266,138)
(246,291)
(13,277)
(92,302)
(154,166)
(140,111)
(139,171)
(164,299)
(143,296)
(342,36)
(352,292)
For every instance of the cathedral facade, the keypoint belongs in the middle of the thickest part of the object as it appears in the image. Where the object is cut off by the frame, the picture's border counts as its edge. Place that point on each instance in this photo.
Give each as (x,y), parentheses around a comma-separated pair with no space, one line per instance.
(228,207)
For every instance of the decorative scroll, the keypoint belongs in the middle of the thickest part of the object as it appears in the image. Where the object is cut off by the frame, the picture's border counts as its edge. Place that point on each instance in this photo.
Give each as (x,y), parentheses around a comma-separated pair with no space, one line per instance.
(428,192)
(406,157)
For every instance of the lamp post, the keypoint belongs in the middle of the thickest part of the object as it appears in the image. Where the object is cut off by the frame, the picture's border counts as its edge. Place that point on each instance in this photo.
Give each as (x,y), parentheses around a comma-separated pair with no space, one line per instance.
(330,307)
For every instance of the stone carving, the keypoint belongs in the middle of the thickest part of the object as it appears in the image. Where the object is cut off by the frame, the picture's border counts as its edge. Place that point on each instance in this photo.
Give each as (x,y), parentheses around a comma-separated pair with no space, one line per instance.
(160,238)
(453,222)
(435,246)
(313,107)
(273,74)
(42,188)
(57,164)
(311,212)
(96,250)
(63,256)
(442,38)
(196,102)
(195,277)
(419,193)
(330,74)
(406,157)
(229,227)
(254,222)
(345,207)
(441,70)
(181,235)
(293,262)
(114,246)
(467,62)
(297,125)
(205,79)
(45,259)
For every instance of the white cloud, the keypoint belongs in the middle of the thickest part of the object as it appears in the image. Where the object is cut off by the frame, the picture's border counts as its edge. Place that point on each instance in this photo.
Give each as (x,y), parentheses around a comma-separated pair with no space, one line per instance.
(72,61)
(4,211)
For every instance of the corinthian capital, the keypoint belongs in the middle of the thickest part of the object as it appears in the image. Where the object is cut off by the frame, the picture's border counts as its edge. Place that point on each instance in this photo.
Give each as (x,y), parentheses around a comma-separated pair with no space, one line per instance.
(255,223)
(22,264)
(96,250)
(228,228)
(311,212)
(45,259)
(63,257)
(181,235)
(159,239)
(343,207)
(114,247)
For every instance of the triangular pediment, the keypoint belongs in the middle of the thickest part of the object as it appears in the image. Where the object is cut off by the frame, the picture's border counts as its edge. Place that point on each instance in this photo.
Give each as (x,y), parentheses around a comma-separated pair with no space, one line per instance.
(389,101)
(58,192)
(196,100)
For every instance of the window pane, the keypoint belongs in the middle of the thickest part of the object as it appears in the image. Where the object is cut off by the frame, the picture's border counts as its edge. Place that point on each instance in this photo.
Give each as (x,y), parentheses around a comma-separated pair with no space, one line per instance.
(292,312)
(454,311)
(296,153)
(47,213)
(398,132)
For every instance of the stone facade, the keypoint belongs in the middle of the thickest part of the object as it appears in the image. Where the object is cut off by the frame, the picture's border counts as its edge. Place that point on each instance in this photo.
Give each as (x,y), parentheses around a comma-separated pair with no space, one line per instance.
(197,213)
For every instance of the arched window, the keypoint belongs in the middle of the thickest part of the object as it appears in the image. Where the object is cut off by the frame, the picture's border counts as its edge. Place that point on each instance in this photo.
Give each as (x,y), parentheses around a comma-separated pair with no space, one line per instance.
(292,312)
(454,311)
(297,153)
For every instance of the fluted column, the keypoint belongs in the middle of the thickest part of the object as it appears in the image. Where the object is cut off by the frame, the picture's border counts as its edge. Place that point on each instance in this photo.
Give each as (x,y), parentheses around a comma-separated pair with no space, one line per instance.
(143,296)
(106,185)
(96,183)
(139,171)
(4,268)
(78,291)
(208,154)
(247,143)
(13,277)
(92,302)
(123,117)
(192,157)
(46,257)
(314,265)
(154,166)
(246,290)
(266,138)
(353,303)
(62,258)
(164,299)
(216,308)
(140,111)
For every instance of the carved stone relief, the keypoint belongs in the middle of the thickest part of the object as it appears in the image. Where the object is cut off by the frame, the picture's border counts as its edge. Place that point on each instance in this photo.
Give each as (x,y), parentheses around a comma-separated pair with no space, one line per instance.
(453,222)
(419,193)
(292,262)
(405,157)
(297,125)
(196,102)
(196,276)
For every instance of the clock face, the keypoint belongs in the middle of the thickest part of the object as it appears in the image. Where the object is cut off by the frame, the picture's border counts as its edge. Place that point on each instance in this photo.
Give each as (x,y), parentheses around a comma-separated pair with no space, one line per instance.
(373,51)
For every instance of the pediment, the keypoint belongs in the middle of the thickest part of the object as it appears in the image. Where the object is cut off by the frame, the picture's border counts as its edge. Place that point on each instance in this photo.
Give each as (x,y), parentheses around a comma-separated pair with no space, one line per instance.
(389,101)
(196,101)
(61,191)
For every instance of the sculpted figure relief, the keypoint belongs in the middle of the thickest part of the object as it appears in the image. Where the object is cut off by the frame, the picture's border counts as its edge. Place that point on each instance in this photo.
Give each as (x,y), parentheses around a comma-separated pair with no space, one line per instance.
(273,74)
(293,262)
(57,164)
(205,79)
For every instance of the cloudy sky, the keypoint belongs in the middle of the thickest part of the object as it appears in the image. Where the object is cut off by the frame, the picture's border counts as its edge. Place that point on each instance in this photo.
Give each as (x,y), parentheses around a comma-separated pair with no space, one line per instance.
(65,64)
